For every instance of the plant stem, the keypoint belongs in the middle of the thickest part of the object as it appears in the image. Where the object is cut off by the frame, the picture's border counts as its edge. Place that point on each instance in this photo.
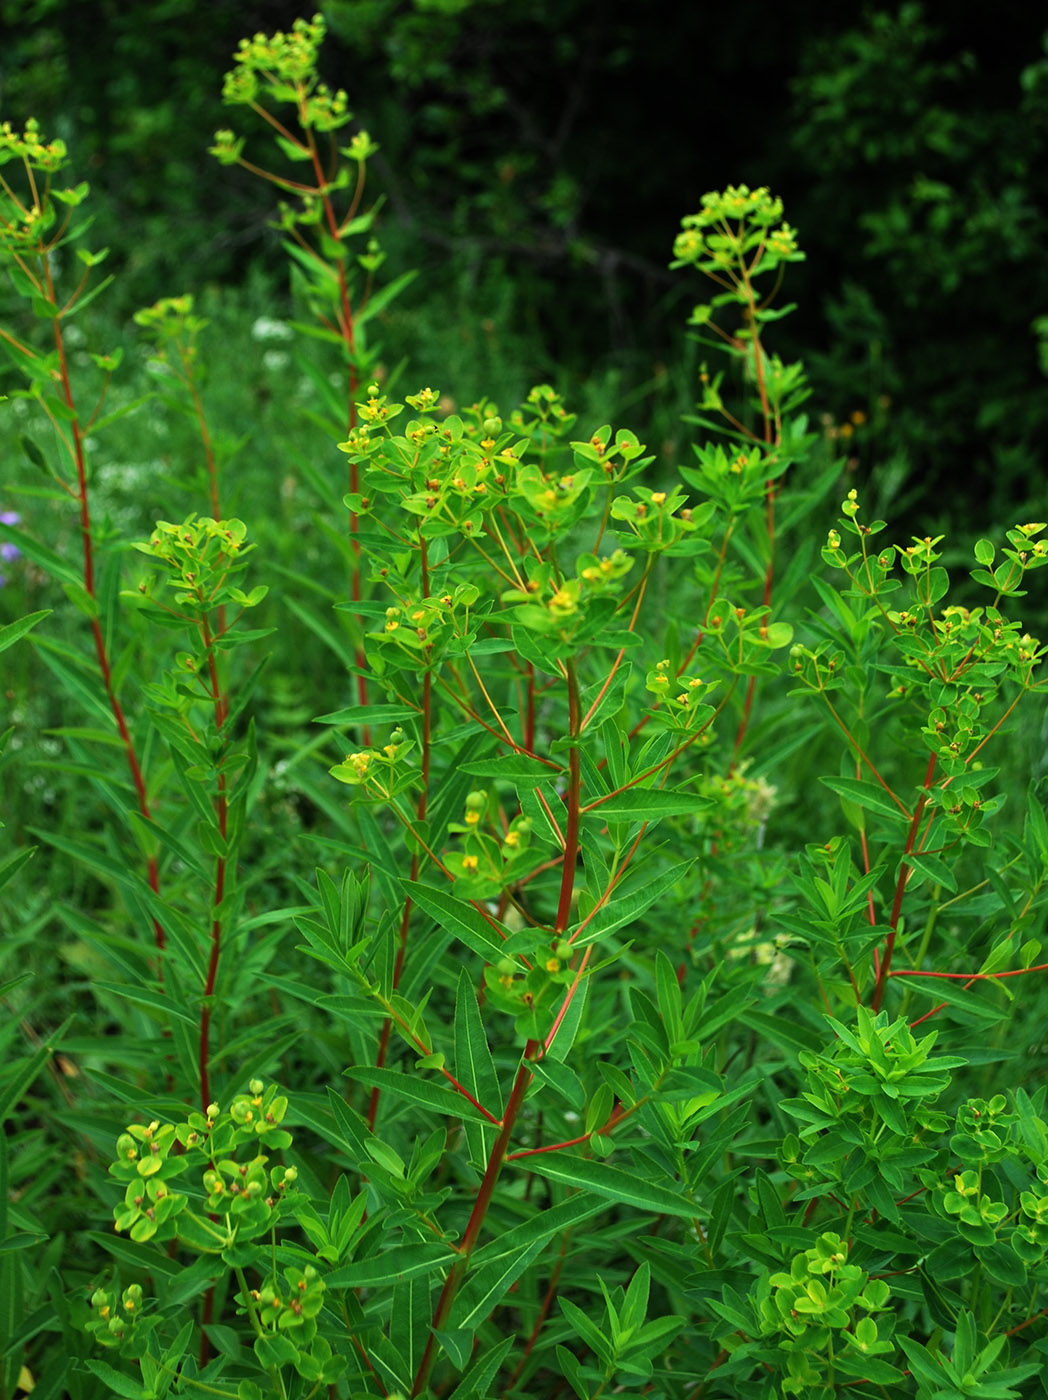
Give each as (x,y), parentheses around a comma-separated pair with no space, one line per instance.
(900,888)
(101,650)
(572,796)
(458,1270)
(220,704)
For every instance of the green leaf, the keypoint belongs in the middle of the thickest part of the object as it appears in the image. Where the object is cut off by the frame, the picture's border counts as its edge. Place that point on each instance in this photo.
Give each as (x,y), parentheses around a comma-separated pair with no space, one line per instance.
(490,1284)
(490,1263)
(474,1065)
(24,1075)
(458,1344)
(631,898)
(275,1350)
(401,1262)
(160,1002)
(934,869)
(869,795)
(481,933)
(493,1265)
(517,768)
(33,452)
(294,150)
(785,1032)
(415,1090)
(562,1042)
(649,805)
(13,863)
(379,300)
(477,1379)
(611,1182)
(369,714)
(88,297)
(116,1382)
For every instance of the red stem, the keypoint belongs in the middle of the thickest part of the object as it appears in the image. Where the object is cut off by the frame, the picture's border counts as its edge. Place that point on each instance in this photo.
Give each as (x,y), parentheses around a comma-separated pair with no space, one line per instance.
(884,970)
(571,836)
(457,1272)
(101,651)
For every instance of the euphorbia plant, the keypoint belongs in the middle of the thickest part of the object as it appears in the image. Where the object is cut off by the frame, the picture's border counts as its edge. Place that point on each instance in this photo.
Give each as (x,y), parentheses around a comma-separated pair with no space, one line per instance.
(588,1051)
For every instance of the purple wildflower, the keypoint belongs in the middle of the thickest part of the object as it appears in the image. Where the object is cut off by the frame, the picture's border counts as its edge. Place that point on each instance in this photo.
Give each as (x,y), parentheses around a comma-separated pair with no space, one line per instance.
(8,552)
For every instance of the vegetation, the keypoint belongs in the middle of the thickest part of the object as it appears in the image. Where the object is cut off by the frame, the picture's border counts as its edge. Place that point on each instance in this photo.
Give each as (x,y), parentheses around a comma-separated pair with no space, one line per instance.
(492,909)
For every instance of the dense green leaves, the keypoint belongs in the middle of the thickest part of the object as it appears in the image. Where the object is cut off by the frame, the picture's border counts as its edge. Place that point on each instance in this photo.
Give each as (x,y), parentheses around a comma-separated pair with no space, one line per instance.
(647,1019)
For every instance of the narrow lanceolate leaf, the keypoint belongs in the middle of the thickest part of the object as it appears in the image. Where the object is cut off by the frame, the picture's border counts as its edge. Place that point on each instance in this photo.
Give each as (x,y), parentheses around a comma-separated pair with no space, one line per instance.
(116,1382)
(20,1079)
(869,795)
(626,905)
(650,805)
(368,714)
(474,1066)
(14,862)
(542,1226)
(484,936)
(499,1264)
(14,630)
(410,1313)
(482,1295)
(476,1380)
(934,869)
(517,768)
(612,1182)
(153,1000)
(414,1090)
(403,1261)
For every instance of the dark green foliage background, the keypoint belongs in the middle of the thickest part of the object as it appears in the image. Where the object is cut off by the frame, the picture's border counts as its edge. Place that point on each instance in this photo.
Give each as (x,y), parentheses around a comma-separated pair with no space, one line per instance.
(535,154)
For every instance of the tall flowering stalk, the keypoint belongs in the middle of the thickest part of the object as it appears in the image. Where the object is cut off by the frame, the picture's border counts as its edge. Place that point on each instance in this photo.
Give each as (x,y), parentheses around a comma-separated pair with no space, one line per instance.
(37,219)
(322,217)
(199,562)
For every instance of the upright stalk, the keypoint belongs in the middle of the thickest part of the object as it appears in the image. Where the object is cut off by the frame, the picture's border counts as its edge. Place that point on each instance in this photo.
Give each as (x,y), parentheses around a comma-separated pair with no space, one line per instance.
(572,799)
(532,1050)
(420,817)
(75,443)
(221,709)
(884,967)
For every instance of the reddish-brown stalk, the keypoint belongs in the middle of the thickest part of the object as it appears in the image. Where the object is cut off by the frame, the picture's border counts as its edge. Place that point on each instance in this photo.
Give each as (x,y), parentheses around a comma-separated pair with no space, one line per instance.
(622,652)
(969,977)
(532,1050)
(572,800)
(346,321)
(458,1269)
(76,447)
(900,888)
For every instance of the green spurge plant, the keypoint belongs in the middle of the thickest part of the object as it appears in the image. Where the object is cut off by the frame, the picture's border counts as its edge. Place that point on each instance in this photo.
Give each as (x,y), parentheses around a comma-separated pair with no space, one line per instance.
(591,1057)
